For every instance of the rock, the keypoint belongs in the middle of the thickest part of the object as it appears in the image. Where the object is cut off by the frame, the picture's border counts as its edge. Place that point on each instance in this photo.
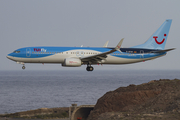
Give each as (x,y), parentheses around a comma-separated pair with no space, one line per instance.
(155,96)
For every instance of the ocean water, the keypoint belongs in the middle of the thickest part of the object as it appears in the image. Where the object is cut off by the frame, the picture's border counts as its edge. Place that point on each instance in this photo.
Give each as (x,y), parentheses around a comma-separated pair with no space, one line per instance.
(28,90)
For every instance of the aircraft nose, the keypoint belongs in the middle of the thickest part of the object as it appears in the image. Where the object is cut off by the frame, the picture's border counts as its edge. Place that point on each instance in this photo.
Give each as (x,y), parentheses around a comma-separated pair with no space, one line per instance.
(7,57)
(10,57)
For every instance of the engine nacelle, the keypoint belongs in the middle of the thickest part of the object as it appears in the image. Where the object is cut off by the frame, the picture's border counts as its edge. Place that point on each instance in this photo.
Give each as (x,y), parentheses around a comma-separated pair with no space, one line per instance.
(72,62)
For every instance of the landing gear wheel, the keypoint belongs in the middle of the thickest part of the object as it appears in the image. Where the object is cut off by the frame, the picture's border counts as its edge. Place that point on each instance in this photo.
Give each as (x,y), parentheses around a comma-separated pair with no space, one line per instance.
(23,67)
(89,68)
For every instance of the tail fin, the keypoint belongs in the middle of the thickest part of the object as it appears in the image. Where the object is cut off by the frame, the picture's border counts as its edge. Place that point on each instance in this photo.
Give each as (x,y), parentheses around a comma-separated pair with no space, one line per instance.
(159,38)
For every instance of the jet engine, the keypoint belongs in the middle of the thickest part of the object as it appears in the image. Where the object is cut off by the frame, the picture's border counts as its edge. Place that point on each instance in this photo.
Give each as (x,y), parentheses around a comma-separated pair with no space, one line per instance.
(72,62)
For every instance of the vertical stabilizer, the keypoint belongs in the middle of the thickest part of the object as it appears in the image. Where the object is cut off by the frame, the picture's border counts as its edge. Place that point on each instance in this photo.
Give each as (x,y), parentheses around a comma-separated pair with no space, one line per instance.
(159,38)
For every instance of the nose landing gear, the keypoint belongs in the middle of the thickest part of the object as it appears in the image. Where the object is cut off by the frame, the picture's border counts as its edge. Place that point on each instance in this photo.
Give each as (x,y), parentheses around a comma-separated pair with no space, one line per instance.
(22,63)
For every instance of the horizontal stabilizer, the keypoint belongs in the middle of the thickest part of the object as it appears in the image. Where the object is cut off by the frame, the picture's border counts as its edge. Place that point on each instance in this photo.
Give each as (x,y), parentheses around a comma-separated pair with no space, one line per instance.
(161,51)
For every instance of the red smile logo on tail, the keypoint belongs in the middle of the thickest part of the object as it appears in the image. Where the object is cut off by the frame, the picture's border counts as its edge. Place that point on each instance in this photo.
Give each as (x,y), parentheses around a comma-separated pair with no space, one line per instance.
(159,43)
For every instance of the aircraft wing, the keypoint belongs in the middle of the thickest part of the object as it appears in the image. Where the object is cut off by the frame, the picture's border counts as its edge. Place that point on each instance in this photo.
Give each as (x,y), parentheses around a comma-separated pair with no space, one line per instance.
(101,56)
(160,51)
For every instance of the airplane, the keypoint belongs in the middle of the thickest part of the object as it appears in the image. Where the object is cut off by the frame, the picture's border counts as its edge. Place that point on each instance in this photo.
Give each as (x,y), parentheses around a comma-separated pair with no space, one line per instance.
(77,56)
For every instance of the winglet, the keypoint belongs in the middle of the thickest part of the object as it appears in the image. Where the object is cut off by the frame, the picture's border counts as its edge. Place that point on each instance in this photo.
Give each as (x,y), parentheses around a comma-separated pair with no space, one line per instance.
(119,45)
(106,44)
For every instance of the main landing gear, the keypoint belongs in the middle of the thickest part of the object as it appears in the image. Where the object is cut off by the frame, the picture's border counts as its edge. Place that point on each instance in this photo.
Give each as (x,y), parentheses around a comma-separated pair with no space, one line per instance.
(89,67)
(23,67)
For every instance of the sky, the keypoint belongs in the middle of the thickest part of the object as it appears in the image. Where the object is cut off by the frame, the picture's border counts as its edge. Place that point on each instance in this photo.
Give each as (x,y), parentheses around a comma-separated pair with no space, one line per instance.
(91,23)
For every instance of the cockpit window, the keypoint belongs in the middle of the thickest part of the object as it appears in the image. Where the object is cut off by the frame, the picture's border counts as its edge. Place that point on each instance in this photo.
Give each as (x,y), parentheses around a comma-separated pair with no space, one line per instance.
(16,51)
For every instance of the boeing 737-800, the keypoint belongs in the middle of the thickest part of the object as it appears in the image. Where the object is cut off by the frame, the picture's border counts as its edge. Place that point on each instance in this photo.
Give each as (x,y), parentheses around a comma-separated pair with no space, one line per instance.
(77,56)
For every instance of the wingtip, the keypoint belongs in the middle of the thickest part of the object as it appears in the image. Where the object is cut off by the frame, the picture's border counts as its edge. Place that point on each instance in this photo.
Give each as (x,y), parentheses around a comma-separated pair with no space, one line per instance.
(106,44)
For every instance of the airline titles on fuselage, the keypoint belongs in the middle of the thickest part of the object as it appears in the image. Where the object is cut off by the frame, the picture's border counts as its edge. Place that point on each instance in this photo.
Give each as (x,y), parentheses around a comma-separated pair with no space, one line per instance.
(40,50)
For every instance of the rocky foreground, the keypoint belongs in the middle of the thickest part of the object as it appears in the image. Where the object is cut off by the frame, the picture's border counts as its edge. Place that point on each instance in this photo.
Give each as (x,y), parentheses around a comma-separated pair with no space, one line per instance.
(154,100)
